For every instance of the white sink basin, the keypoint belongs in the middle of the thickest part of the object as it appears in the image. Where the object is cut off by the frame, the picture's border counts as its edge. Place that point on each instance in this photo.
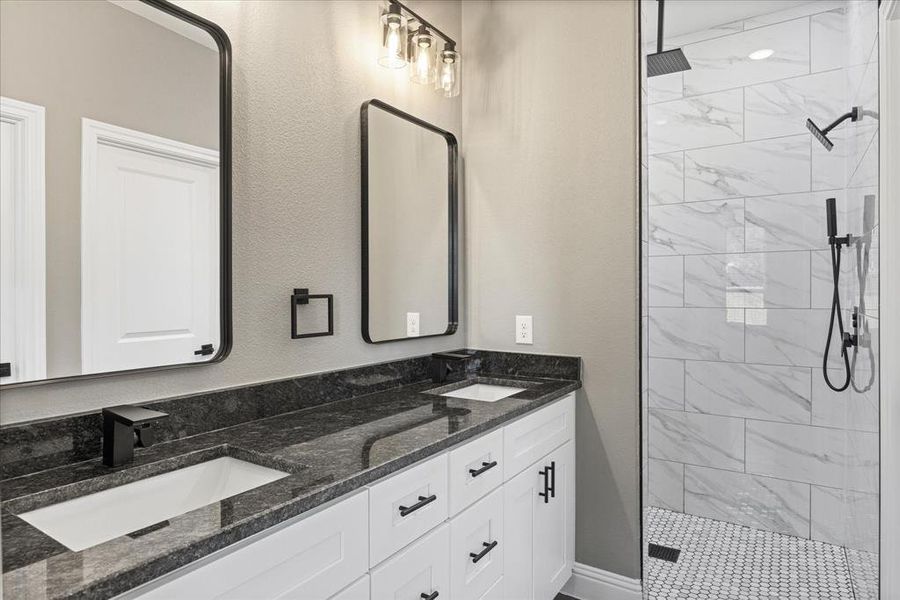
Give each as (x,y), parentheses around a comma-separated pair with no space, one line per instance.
(90,520)
(484,392)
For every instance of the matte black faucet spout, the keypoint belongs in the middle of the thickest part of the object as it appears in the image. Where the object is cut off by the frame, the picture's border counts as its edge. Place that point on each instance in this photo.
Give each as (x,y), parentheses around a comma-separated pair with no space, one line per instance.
(125,427)
(440,364)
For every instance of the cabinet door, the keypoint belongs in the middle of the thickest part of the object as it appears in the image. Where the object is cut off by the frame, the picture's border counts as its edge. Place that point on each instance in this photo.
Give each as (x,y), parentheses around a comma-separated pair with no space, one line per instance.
(421,570)
(358,590)
(554,524)
(520,497)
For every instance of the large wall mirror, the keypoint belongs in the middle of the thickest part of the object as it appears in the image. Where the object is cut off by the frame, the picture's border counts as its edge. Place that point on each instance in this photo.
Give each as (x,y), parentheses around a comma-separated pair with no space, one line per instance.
(409,226)
(115,189)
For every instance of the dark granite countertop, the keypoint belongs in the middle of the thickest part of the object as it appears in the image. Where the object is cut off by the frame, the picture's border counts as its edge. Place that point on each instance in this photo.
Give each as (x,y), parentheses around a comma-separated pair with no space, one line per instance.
(328,450)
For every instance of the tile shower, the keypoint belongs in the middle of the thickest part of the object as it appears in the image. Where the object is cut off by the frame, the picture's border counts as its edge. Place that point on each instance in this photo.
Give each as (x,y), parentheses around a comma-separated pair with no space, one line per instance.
(741,426)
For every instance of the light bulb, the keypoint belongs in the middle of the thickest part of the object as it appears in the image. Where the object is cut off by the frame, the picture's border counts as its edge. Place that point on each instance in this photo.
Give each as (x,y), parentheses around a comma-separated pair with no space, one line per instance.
(422,60)
(393,38)
(448,78)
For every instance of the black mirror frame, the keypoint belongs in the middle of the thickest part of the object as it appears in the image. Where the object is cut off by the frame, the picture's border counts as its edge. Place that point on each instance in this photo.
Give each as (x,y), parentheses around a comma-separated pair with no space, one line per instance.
(225,317)
(453,218)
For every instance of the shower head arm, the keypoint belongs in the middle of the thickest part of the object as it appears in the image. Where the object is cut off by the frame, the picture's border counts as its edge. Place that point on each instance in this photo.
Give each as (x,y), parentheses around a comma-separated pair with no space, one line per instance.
(855,114)
(659,26)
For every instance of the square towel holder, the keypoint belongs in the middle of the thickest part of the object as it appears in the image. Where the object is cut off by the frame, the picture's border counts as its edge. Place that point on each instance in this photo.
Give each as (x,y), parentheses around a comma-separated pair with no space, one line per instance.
(302,296)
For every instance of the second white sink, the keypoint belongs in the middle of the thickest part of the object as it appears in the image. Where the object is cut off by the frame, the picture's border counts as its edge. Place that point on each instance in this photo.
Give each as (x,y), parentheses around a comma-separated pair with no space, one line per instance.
(96,518)
(485,392)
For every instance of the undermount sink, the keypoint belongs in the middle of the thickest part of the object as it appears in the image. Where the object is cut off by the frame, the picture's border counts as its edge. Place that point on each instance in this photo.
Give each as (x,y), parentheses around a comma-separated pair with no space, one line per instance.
(484,392)
(96,518)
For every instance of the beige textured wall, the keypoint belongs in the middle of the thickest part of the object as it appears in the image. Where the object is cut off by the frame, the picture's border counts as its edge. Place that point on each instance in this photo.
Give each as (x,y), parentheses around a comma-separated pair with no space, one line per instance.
(550,116)
(99,61)
(301,72)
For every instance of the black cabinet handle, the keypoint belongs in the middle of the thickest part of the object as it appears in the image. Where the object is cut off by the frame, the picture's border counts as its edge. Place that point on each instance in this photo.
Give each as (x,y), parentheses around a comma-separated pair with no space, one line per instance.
(5,370)
(487,548)
(553,479)
(423,500)
(484,467)
(546,493)
(430,596)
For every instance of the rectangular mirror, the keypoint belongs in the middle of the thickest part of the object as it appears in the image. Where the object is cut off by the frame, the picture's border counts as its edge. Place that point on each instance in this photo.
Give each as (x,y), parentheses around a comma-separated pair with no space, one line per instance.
(409,226)
(115,189)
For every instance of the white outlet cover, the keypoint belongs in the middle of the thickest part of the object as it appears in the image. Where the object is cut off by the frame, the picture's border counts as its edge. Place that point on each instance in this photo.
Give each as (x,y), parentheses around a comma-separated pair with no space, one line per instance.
(524,329)
(412,324)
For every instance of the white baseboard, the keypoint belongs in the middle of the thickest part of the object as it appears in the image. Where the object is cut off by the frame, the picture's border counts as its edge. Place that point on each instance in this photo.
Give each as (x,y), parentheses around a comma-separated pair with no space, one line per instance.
(591,583)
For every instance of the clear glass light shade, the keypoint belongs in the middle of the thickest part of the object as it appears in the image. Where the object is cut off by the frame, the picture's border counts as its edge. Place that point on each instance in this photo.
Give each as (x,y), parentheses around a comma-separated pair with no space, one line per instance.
(449,73)
(421,61)
(393,40)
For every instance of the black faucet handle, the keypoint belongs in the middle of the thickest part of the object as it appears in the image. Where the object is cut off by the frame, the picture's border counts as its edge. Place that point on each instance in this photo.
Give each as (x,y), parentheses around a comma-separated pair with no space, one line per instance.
(133,416)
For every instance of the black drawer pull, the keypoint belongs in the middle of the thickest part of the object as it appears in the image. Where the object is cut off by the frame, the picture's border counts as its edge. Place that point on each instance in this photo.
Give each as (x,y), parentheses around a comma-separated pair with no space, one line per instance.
(430,596)
(484,467)
(487,548)
(423,500)
(546,493)
(553,479)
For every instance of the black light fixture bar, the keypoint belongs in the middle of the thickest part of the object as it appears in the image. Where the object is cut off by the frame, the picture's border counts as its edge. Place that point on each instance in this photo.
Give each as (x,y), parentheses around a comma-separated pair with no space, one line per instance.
(424,22)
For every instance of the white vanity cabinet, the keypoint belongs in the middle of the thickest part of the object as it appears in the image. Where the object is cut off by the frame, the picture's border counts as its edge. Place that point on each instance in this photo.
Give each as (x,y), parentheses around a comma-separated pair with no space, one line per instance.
(492,518)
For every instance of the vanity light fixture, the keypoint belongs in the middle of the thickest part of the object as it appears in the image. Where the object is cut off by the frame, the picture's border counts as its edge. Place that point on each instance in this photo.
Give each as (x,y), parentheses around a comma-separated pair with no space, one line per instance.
(761,54)
(407,36)
(393,38)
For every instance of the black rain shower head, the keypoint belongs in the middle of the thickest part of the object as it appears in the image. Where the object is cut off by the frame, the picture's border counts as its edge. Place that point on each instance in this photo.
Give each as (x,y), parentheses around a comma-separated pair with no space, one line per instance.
(670,61)
(820,134)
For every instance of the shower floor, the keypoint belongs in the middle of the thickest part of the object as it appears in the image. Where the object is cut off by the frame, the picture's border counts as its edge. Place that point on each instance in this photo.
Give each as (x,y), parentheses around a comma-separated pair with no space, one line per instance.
(724,561)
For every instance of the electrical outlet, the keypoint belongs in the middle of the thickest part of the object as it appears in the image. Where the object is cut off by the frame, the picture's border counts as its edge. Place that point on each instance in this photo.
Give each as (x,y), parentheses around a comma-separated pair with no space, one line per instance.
(412,324)
(524,329)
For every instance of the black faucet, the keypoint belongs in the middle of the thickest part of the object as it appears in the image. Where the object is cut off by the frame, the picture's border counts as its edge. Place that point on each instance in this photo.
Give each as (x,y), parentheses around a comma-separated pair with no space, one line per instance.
(125,427)
(440,364)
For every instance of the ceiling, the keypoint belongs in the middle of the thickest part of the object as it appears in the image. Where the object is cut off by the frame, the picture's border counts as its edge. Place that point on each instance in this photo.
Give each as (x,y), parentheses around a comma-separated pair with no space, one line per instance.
(688,16)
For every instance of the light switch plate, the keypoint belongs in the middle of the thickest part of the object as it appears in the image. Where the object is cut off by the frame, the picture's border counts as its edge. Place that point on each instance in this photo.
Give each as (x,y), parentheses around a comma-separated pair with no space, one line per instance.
(412,324)
(524,329)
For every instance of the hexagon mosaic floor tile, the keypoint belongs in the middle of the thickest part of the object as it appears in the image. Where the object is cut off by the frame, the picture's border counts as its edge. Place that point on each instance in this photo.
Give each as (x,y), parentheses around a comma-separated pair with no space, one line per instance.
(724,561)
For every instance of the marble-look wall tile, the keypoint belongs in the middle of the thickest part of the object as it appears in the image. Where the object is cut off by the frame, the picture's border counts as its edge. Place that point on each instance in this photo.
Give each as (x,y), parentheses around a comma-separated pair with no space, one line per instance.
(855,408)
(667,178)
(784,336)
(697,439)
(862,31)
(758,502)
(666,484)
(866,173)
(667,383)
(697,334)
(724,63)
(828,42)
(696,122)
(667,281)
(794,12)
(781,108)
(697,228)
(829,168)
(817,455)
(789,222)
(760,168)
(845,518)
(752,280)
(751,391)
(664,87)
(709,33)
(822,279)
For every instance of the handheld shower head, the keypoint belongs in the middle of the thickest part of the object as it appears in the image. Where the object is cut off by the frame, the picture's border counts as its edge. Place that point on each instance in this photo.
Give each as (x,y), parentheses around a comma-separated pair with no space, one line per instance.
(831,217)
(855,114)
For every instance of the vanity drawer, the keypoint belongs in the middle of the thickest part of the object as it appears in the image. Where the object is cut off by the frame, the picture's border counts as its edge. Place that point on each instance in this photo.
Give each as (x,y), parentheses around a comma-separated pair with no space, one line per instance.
(477,531)
(423,568)
(358,590)
(535,435)
(406,505)
(314,558)
(476,468)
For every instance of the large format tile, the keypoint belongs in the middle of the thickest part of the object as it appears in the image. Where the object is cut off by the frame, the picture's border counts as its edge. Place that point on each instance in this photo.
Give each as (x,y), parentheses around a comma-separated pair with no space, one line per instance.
(828,43)
(667,383)
(789,222)
(822,279)
(751,391)
(664,87)
(666,281)
(697,439)
(697,122)
(794,12)
(666,484)
(725,63)
(752,280)
(854,408)
(758,502)
(697,228)
(785,336)
(667,178)
(862,31)
(760,168)
(707,33)
(817,455)
(845,518)
(697,334)
(781,108)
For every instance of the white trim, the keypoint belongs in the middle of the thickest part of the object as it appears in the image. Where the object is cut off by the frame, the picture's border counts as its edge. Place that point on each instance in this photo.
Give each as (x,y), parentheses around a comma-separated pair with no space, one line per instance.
(31,264)
(93,135)
(591,583)
(889,40)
